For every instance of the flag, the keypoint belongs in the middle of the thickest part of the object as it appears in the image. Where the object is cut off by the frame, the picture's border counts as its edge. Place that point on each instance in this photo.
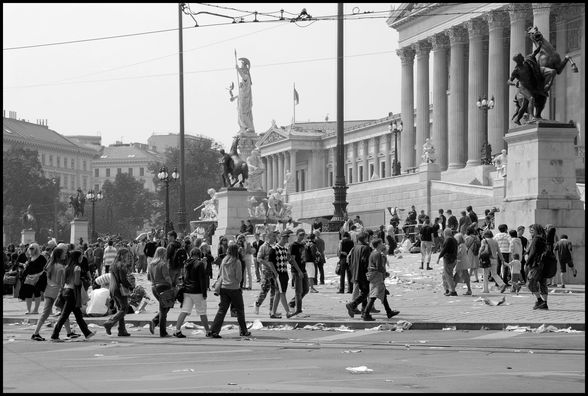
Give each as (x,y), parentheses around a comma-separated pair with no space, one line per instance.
(296,99)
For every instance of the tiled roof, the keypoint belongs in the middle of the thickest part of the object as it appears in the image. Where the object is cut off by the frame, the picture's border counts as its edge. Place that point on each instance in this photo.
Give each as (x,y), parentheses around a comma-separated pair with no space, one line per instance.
(33,132)
(127,152)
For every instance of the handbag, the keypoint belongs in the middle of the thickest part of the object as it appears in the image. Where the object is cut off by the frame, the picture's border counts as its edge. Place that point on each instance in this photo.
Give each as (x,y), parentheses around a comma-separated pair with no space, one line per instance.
(9,279)
(338,268)
(60,300)
(32,279)
(485,256)
(167,298)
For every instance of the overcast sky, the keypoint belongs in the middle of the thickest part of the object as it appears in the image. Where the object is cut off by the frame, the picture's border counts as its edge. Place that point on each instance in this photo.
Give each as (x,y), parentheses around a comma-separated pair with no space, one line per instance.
(128,88)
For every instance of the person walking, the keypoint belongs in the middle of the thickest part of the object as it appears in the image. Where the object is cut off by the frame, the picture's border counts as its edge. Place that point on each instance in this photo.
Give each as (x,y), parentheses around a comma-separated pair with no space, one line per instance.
(490,246)
(280,257)
(359,261)
(551,239)
(99,257)
(449,255)
(464,223)
(195,291)
(120,290)
(426,237)
(451,221)
(320,262)
(33,267)
(462,264)
(268,272)
(310,256)
(376,273)
(345,246)
(473,243)
(525,244)
(503,239)
(534,267)
(72,296)
(256,245)
(141,257)
(563,250)
(298,269)
(158,274)
(109,256)
(230,293)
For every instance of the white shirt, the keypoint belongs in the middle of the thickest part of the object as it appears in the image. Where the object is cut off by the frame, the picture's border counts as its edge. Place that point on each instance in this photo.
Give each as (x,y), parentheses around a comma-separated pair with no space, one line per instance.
(98,301)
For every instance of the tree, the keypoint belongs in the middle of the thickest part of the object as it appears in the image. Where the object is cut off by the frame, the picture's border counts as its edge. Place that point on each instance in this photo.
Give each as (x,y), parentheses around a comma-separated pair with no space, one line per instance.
(202,170)
(24,183)
(126,208)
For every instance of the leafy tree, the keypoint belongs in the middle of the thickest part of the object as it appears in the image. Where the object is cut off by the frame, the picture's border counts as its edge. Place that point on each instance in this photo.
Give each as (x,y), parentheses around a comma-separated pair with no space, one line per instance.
(202,171)
(126,208)
(24,183)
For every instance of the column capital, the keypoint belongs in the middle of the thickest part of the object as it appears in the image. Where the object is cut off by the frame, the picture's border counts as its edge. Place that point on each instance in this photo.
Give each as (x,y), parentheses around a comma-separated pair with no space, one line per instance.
(439,41)
(477,28)
(406,55)
(457,35)
(497,19)
(519,11)
(422,48)
(541,8)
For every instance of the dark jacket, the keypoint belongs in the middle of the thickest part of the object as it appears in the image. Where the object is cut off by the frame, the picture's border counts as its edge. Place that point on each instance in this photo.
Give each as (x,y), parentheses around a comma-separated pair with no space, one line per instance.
(196,278)
(449,249)
(452,222)
(358,262)
(538,246)
(119,276)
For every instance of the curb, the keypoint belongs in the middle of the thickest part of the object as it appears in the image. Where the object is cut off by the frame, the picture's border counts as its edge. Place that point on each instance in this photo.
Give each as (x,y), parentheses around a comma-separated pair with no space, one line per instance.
(354,325)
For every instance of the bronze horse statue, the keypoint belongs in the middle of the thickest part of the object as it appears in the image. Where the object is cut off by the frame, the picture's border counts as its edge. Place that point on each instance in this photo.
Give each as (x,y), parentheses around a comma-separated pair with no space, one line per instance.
(235,170)
(78,203)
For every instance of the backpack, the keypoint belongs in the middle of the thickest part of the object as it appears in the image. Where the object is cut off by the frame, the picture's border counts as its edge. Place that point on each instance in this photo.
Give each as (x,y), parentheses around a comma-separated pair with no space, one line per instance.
(549,263)
(476,246)
(179,258)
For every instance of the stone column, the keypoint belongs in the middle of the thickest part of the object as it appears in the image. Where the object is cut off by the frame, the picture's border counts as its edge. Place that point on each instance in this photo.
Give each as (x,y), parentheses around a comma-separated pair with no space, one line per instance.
(407,151)
(264,176)
(477,87)
(274,171)
(457,108)
(422,49)
(389,154)
(364,161)
(497,77)
(541,13)
(292,167)
(560,81)
(280,180)
(439,133)
(377,157)
(518,13)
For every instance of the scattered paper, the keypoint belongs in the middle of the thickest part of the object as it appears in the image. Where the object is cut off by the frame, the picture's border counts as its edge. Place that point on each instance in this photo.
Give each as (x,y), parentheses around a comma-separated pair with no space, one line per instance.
(186,370)
(518,329)
(189,325)
(492,303)
(352,351)
(359,370)
(423,341)
(98,354)
(449,328)
(256,325)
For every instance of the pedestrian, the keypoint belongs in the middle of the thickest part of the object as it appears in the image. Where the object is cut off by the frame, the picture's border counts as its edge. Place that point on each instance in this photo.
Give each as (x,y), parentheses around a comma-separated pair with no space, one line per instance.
(246,251)
(109,256)
(298,269)
(451,221)
(515,270)
(359,261)
(345,246)
(437,235)
(462,264)
(268,272)
(426,237)
(449,255)
(320,258)
(175,262)
(230,293)
(310,258)
(120,290)
(516,246)
(280,257)
(149,250)
(473,243)
(221,252)
(376,273)
(472,215)
(563,250)
(243,228)
(141,256)
(158,274)
(208,258)
(503,240)
(551,239)
(195,291)
(534,268)
(250,228)
(30,291)
(256,245)
(442,219)
(71,294)
(490,247)
(391,237)
(464,223)
(525,244)
(55,268)
(381,233)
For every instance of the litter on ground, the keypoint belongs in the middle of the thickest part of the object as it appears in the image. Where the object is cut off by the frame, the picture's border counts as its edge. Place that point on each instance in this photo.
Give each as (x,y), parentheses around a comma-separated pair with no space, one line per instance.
(359,370)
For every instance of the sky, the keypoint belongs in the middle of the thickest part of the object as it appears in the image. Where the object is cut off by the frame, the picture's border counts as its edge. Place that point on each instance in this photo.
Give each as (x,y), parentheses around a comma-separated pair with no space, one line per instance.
(127,88)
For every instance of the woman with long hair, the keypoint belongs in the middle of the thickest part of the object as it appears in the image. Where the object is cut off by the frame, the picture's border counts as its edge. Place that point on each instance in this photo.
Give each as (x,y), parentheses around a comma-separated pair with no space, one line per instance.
(551,239)
(55,280)
(534,267)
(463,264)
(158,274)
(33,266)
(230,293)
(72,295)
(472,244)
(120,289)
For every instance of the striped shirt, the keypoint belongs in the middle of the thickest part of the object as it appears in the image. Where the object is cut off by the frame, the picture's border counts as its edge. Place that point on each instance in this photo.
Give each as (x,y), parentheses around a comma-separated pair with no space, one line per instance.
(109,255)
(503,240)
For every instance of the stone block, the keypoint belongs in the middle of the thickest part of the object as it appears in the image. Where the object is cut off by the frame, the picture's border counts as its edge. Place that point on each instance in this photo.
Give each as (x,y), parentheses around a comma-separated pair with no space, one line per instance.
(79,229)
(27,236)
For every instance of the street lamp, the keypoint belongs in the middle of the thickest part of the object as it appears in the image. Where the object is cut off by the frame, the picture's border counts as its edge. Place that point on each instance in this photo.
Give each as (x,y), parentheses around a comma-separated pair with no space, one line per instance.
(484,104)
(165,177)
(396,129)
(93,197)
(55,182)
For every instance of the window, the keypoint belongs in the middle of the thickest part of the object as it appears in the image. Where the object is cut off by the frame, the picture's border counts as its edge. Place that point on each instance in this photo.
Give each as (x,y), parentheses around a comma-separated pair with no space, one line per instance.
(118,171)
(58,161)
(141,171)
(130,171)
(382,169)
(50,160)
(371,171)
(573,36)
(65,179)
(360,173)
(96,172)
(72,164)
(72,182)
(84,165)
(107,172)
(302,180)
(350,173)
(297,181)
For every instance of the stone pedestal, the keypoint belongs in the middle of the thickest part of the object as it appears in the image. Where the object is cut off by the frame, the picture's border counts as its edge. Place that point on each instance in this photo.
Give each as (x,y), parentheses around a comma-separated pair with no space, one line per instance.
(233,207)
(541,184)
(27,236)
(79,229)
(428,172)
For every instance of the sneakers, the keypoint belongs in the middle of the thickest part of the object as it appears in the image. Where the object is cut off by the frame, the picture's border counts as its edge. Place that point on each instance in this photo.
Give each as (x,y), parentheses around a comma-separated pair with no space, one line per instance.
(543,306)
(503,288)
(37,337)
(73,335)
(357,311)
(178,334)
(90,335)
(57,339)
(374,310)
(246,334)
(368,318)
(350,309)
(276,316)
(468,293)
(453,293)
(292,304)
(537,303)
(314,290)
(446,293)
(429,268)
(107,328)
(290,314)
(213,335)
(392,313)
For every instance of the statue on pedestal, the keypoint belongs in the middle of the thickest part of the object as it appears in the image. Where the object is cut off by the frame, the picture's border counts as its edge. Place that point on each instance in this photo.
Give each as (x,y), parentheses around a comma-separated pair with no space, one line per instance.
(28,220)
(209,211)
(235,170)
(500,162)
(78,203)
(244,98)
(256,168)
(428,152)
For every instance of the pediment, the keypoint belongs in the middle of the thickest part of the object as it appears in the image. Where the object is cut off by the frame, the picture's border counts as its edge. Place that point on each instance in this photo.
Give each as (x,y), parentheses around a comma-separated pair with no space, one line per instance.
(273,135)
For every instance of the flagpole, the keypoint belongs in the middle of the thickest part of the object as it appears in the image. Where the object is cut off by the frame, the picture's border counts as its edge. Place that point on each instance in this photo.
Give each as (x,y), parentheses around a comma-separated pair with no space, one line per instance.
(294,105)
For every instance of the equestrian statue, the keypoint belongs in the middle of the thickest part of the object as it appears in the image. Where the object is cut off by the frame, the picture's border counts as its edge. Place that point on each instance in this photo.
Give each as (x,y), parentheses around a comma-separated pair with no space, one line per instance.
(235,170)
(77,203)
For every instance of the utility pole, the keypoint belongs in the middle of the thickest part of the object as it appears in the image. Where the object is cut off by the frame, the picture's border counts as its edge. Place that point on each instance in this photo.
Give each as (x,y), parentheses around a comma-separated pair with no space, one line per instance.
(181,210)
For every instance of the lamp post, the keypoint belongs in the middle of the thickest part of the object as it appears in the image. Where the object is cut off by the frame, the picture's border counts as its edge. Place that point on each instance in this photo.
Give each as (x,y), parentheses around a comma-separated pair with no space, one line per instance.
(93,197)
(55,181)
(165,177)
(485,104)
(396,129)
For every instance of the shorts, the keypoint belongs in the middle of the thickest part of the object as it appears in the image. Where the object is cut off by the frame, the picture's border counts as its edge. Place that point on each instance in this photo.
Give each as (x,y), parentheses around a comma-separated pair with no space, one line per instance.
(563,266)
(310,269)
(196,300)
(283,281)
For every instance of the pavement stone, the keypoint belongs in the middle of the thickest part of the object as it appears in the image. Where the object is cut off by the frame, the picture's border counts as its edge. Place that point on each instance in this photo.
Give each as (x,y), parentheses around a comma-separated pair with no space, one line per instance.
(417,294)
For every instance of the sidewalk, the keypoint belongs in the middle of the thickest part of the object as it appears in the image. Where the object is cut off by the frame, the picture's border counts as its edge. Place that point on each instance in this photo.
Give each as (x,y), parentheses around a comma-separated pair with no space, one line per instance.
(417,294)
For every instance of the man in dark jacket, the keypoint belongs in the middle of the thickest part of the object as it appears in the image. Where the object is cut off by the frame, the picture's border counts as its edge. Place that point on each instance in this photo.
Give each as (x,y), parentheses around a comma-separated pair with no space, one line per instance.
(358,261)
(451,221)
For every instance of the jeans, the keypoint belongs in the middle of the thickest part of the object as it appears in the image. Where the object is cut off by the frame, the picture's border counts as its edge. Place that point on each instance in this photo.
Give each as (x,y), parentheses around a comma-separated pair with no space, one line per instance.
(122,305)
(448,266)
(493,271)
(301,289)
(233,298)
(68,308)
(257,270)
(49,301)
(161,316)
(426,251)
(142,264)
(537,283)
(364,291)
(345,270)
(391,244)
(268,283)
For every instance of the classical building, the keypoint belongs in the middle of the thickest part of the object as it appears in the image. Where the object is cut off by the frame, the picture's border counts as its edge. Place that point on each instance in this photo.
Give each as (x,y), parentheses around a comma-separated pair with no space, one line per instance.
(160,142)
(133,158)
(60,157)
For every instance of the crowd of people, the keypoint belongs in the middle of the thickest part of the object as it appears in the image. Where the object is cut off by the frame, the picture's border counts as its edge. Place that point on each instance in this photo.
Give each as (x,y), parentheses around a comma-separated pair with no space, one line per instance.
(99,279)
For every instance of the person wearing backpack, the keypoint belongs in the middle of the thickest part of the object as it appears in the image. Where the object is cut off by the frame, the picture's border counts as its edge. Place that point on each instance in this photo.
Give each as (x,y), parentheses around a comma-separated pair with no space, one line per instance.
(491,250)
(534,266)
(473,243)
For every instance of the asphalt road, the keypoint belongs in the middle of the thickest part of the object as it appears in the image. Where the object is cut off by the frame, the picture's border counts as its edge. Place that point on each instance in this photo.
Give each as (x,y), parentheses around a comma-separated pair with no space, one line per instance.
(298,361)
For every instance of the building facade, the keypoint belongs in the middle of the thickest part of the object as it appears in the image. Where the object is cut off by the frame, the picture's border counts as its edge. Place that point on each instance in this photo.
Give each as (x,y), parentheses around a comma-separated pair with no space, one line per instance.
(160,142)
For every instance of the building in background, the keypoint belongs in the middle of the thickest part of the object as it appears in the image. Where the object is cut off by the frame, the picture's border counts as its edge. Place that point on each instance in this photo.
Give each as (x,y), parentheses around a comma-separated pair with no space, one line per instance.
(160,142)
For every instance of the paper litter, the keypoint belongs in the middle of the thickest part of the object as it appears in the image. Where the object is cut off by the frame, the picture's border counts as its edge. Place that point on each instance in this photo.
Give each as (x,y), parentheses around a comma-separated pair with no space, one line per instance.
(187,370)
(359,370)
(256,325)
(449,328)
(352,351)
